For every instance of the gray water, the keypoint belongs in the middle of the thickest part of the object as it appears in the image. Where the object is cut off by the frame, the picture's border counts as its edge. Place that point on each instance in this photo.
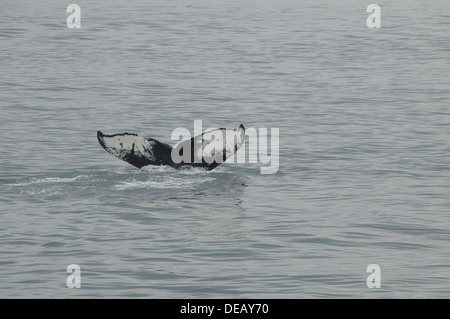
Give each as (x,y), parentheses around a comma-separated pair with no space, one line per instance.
(364,170)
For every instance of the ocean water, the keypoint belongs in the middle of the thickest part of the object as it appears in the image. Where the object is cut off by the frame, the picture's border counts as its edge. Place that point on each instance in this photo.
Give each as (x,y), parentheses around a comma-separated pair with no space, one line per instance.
(364,155)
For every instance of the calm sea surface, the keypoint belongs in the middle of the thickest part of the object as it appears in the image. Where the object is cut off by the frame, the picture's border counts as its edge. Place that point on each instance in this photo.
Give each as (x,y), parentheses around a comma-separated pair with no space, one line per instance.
(364,175)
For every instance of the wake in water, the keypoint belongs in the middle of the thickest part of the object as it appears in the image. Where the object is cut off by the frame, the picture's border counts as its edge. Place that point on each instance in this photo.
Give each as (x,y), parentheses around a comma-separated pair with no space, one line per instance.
(155,179)
(165,178)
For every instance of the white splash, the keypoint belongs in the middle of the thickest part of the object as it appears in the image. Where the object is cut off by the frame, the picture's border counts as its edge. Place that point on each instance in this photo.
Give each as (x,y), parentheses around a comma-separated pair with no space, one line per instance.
(166,183)
(36,180)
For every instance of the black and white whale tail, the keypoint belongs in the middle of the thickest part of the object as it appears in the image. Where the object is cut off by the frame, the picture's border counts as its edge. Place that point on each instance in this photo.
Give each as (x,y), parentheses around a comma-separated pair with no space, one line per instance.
(207,150)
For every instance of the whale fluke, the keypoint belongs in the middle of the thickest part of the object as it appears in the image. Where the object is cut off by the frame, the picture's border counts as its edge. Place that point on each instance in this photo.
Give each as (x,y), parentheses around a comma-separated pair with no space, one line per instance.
(136,150)
(207,150)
